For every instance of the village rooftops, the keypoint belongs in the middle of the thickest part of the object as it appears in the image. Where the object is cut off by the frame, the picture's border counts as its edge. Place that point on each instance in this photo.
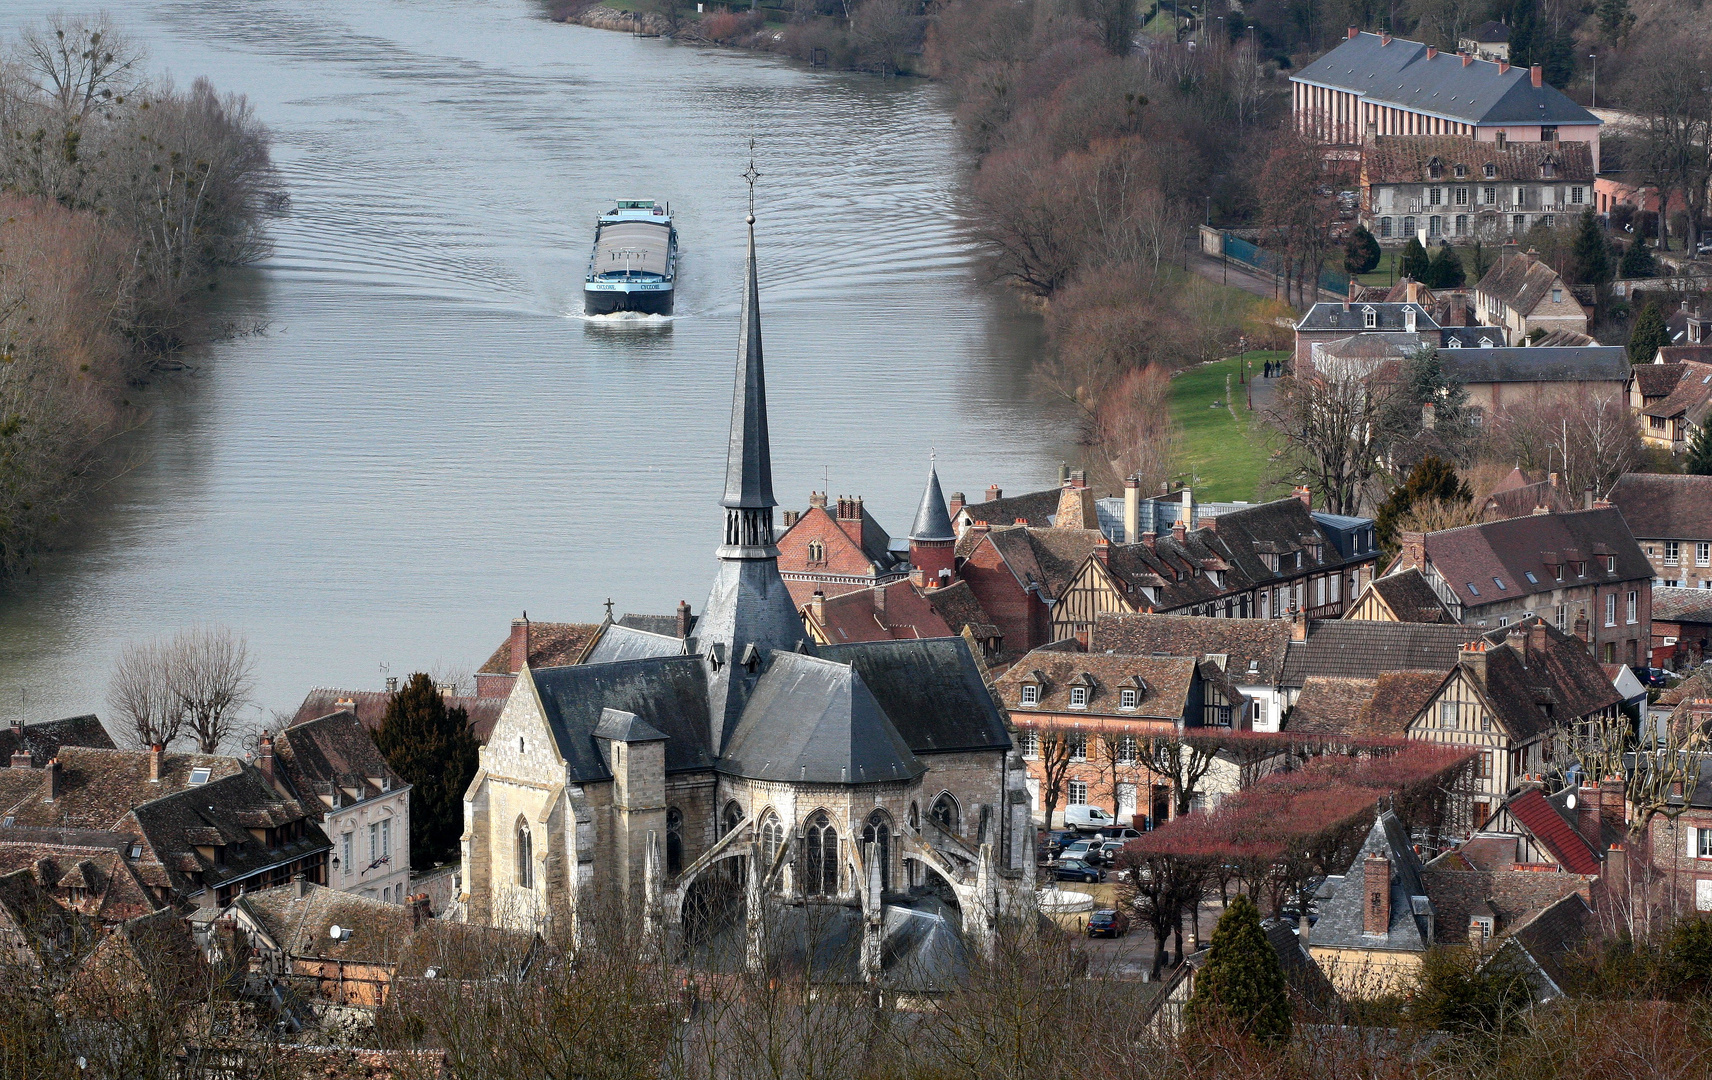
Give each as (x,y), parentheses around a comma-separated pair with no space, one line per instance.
(1035,508)
(1521,281)
(1501,561)
(43,740)
(1254,648)
(1406,916)
(1536,364)
(333,753)
(1452,159)
(85,869)
(1409,598)
(1379,707)
(1408,75)
(1665,506)
(370,708)
(1160,687)
(96,788)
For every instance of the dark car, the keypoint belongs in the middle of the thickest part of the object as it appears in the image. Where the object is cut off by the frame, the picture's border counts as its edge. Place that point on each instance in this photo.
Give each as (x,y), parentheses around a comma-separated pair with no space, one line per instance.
(1077,870)
(1653,676)
(1060,839)
(1108,923)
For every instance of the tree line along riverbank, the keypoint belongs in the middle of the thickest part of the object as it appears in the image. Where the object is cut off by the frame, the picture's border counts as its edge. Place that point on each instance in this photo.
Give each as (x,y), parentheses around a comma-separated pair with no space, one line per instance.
(121,197)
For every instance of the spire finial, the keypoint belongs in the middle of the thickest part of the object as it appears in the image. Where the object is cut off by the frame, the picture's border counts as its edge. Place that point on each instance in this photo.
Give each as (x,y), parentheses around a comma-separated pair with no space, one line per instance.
(751,174)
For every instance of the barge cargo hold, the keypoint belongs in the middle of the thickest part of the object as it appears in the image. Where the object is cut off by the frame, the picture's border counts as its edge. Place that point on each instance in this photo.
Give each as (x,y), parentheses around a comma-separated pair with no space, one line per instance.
(634,264)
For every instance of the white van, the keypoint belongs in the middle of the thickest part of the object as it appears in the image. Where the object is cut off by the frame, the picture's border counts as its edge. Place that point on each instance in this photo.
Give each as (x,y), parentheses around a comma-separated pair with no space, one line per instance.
(1087,818)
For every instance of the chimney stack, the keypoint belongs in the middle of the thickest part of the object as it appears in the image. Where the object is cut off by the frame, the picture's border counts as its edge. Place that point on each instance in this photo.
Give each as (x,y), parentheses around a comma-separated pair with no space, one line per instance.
(956,505)
(299,886)
(1503,69)
(1466,59)
(1179,532)
(50,783)
(1474,655)
(817,500)
(1587,497)
(790,518)
(1429,415)
(1298,624)
(980,528)
(817,607)
(519,643)
(419,911)
(264,761)
(1354,32)
(1432,52)
(685,620)
(1581,624)
(155,752)
(1538,642)
(1587,815)
(1151,539)
(1103,551)
(994,493)
(1537,73)
(1613,807)
(18,729)
(1376,889)
(1414,551)
(1517,639)
(1306,494)
(1132,509)
(21,759)
(1384,37)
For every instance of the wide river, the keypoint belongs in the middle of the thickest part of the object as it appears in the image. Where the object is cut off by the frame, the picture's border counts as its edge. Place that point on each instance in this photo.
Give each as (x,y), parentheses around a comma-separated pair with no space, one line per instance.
(428,438)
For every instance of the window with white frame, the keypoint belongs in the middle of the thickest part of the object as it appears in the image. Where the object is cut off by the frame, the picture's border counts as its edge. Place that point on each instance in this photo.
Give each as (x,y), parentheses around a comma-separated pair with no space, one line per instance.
(1578,195)
(1078,697)
(1447,714)
(1462,196)
(346,847)
(1703,554)
(1369,318)
(1128,751)
(1633,609)
(374,841)
(1562,615)
(1703,849)
(1435,196)
(1672,549)
(386,839)
(1611,609)
(1126,699)
(1078,792)
(1489,196)
(1385,227)
(1029,743)
(1078,743)
(1030,694)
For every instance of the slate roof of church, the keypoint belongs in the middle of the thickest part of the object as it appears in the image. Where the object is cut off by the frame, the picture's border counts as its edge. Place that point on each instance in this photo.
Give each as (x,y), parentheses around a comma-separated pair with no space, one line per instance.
(620,642)
(932,690)
(669,693)
(815,721)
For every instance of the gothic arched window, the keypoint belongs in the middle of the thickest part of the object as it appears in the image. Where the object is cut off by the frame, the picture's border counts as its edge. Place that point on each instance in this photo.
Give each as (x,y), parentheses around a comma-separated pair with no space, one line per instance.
(525,856)
(945,812)
(878,832)
(915,817)
(820,856)
(772,838)
(732,817)
(816,551)
(674,841)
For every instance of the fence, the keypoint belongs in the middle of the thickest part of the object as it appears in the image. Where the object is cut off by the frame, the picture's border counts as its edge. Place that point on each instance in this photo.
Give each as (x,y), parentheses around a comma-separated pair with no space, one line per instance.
(1243,251)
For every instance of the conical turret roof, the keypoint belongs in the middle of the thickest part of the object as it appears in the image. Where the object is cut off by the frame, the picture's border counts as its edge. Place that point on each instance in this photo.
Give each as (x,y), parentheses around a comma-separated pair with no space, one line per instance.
(932,522)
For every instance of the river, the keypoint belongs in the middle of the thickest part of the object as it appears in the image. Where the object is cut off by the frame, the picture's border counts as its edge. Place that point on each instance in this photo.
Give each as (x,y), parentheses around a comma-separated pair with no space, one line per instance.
(427,438)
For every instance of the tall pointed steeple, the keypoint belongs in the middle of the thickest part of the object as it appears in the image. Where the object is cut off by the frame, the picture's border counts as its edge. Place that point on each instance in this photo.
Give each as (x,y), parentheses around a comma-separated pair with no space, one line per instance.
(749,612)
(932,540)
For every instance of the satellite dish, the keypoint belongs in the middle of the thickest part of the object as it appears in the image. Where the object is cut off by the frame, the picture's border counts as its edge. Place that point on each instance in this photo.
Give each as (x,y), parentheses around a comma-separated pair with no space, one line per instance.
(1569,800)
(335,933)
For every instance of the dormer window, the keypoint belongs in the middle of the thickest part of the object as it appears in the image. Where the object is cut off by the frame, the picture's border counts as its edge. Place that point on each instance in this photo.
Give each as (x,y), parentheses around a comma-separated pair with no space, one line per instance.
(1369,318)
(136,851)
(1434,168)
(1460,171)
(1254,667)
(1078,697)
(1030,694)
(1548,169)
(1126,699)
(1610,564)
(1490,170)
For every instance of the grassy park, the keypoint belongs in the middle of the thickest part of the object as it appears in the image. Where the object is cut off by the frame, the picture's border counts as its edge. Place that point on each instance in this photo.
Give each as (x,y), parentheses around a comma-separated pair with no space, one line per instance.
(1224,456)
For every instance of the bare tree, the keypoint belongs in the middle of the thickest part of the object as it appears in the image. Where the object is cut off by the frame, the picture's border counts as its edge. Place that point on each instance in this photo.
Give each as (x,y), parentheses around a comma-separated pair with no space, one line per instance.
(211,674)
(1590,439)
(1668,91)
(82,64)
(1056,753)
(141,695)
(1336,422)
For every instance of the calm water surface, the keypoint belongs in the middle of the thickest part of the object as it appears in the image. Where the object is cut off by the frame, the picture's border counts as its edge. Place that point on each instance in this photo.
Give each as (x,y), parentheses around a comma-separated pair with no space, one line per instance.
(428,438)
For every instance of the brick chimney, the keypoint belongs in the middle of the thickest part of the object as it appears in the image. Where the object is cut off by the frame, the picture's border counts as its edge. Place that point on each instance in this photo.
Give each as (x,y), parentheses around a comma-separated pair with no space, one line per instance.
(155,753)
(1179,531)
(264,760)
(17,729)
(1432,52)
(1615,872)
(685,619)
(1429,415)
(1538,640)
(519,643)
(1473,654)
(1613,807)
(1517,639)
(817,607)
(1376,895)
(1103,551)
(1466,59)
(956,504)
(51,782)
(790,518)
(1306,494)
(1354,32)
(1581,623)
(1384,37)
(994,493)
(1298,624)
(817,500)
(1537,74)
(1503,68)
(1414,551)
(980,528)
(1587,816)
(21,759)
(1151,539)
(419,910)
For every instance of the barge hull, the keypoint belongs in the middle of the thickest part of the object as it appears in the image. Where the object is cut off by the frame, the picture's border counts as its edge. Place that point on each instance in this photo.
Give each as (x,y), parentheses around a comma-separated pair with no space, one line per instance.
(647,303)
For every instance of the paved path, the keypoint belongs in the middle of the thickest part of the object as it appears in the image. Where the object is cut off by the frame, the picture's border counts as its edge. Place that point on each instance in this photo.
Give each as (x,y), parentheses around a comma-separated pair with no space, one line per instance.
(1241,276)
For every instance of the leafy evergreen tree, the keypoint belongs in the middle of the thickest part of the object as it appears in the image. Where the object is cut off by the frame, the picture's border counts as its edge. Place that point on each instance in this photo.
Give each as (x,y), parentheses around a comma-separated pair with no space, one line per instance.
(1361,253)
(1482,260)
(1416,263)
(1700,451)
(434,751)
(1242,983)
(1457,994)
(1649,334)
(1638,261)
(1445,271)
(1616,17)
(1434,480)
(1590,256)
(1429,382)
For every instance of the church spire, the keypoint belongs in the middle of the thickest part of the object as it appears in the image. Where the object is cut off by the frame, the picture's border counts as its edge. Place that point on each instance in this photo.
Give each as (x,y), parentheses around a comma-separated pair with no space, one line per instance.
(748,497)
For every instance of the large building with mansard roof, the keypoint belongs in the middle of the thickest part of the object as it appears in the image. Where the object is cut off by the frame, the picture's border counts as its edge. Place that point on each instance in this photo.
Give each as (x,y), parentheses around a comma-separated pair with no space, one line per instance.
(743,757)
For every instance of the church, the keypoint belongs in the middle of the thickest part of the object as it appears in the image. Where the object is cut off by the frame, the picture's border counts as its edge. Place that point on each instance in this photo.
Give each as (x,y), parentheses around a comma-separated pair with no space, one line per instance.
(852,778)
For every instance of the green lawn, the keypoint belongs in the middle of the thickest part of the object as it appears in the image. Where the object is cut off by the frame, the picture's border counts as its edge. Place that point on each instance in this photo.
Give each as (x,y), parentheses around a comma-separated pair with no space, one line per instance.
(1222,456)
(1385,273)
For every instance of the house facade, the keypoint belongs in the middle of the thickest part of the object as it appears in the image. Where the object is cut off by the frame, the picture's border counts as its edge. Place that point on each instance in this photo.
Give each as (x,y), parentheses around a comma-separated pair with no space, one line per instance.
(1444,187)
(1672,397)
(1525,296)
(333,768)
(1670,516)
(1582,572)
(836,550)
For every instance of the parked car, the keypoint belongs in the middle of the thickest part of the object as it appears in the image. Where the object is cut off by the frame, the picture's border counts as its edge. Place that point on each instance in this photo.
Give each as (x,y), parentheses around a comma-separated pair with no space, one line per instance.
(1057,841)
(1120,834)
(1077,870)
(1653,676)
(1108,923)
(1087,850)
(1294,916)
(1088,818)
(1110,850)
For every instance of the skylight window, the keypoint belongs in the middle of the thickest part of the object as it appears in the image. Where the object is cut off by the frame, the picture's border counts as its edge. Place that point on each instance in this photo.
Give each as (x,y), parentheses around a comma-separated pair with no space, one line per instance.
(1532,580)
(199,775)
(1498,583)
(1472,590)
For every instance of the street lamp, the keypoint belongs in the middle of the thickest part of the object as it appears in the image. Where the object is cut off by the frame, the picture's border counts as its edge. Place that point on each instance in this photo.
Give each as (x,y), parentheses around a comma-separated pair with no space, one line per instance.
(1595,58)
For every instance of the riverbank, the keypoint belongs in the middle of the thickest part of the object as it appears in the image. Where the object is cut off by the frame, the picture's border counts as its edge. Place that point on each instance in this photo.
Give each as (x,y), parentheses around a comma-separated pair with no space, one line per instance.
(881,37)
